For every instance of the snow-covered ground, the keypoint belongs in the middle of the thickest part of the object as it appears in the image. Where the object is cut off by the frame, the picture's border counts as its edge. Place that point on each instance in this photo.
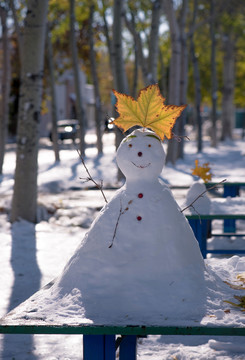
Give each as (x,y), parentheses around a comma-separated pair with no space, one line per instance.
(31,256)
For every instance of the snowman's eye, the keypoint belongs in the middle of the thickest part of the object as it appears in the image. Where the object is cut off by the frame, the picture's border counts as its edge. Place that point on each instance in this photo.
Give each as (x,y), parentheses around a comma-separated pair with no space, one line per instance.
(149,145)
(130,145)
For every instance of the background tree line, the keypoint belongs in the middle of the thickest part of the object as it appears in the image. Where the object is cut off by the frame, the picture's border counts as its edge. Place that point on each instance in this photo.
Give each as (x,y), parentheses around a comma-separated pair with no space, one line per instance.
(194,50)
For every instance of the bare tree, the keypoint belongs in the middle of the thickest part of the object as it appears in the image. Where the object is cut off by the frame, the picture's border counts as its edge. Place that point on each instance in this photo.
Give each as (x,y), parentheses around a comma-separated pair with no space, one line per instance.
(108,38)
(178,73)
(197,79)
(24,204)
(183,76)
(175,71)
(139,54)
(154,41)
(18,30)
(120,78)
(54,111)
(121,82)
(148,65)
(213,74)
(5,85)
(81,113)
(98,108)
(227,116)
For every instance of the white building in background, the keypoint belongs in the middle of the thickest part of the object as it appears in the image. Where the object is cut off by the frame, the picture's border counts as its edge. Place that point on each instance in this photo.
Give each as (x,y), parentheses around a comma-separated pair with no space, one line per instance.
(66,99)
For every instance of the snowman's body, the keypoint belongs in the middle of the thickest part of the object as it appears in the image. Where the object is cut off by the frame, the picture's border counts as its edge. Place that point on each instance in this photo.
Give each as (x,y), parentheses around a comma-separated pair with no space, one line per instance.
(140,259)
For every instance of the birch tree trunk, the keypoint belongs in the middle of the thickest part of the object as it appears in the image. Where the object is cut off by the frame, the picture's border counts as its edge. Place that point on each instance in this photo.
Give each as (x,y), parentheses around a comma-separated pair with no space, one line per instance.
(18,31)
(120,78)
(54,108)
(228,87)
(174,76)
(154,42)
(121,82)
(98,108)
(108,39)
(5,86)
(135,73)
(197,81)
(163,76)
(183,78)
(213,75)
(138,46)
(148,65)
(24,204)
(81,113)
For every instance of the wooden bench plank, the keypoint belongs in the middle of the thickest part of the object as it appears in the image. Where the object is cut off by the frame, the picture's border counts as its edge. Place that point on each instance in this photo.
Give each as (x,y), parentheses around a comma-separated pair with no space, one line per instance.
(122,330)
(128,348)
(99,347)
(202,224)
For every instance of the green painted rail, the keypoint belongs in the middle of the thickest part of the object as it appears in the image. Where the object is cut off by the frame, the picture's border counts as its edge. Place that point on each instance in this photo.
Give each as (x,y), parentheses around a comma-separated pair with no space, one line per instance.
(217,216)
(122,330)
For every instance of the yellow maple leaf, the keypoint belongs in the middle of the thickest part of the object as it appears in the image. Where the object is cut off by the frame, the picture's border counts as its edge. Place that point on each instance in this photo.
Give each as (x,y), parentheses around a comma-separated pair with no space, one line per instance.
(202,171)
(148,111)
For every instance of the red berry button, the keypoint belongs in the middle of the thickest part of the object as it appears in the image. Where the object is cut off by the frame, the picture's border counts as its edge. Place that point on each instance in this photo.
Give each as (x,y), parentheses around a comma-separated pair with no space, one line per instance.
(139,218)
(140,195)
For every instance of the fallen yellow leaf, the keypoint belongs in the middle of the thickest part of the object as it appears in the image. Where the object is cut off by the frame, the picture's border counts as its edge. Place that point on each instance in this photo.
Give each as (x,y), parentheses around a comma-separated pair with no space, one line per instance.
(234,286)
(241,277)
(202,171)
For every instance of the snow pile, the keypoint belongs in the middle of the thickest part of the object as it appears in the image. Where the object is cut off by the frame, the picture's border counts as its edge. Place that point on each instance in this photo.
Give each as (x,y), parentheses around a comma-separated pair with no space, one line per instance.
(199,204)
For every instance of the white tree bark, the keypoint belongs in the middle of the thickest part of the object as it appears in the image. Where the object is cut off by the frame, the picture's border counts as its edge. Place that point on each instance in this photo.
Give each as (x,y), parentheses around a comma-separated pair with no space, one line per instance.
(54,107)
(138,46)
(98,108)
(183,78)
(197,80)
(213,75)
(148,65)
(5,85)
(174,76)
(108,38)
(18,31)
(154,42)
(228,87)
(81,113)
(121,82)
(24,204)
(120,78)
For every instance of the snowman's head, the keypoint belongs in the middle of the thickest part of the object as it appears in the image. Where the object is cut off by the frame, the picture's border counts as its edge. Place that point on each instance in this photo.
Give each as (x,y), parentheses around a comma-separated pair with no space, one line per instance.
(141,155)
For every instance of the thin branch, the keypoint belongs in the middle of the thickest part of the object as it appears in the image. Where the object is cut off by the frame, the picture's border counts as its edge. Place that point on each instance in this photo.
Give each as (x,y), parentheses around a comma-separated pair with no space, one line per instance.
(121,212)
(180,137)
(18,30)
(89,178)
(199,196)
(117,223)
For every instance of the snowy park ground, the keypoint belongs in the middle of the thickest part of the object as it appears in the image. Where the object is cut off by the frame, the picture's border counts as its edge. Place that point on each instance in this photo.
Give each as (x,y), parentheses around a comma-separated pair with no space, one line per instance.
(31,256)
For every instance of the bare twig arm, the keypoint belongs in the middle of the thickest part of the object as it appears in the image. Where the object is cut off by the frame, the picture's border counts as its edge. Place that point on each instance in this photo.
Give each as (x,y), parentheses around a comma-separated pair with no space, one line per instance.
(89,178)
(198,197)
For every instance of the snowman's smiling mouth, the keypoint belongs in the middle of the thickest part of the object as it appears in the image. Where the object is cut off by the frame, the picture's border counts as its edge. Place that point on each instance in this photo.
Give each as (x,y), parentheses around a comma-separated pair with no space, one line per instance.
(141,166)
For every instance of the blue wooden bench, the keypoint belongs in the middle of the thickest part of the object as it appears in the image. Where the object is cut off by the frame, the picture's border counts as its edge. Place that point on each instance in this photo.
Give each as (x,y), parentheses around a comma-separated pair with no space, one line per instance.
(202,225)
(231,189)
(99,342)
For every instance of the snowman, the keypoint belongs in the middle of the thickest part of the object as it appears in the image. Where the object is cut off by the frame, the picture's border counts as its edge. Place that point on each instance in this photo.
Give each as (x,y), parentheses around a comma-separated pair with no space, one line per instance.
(139,263)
